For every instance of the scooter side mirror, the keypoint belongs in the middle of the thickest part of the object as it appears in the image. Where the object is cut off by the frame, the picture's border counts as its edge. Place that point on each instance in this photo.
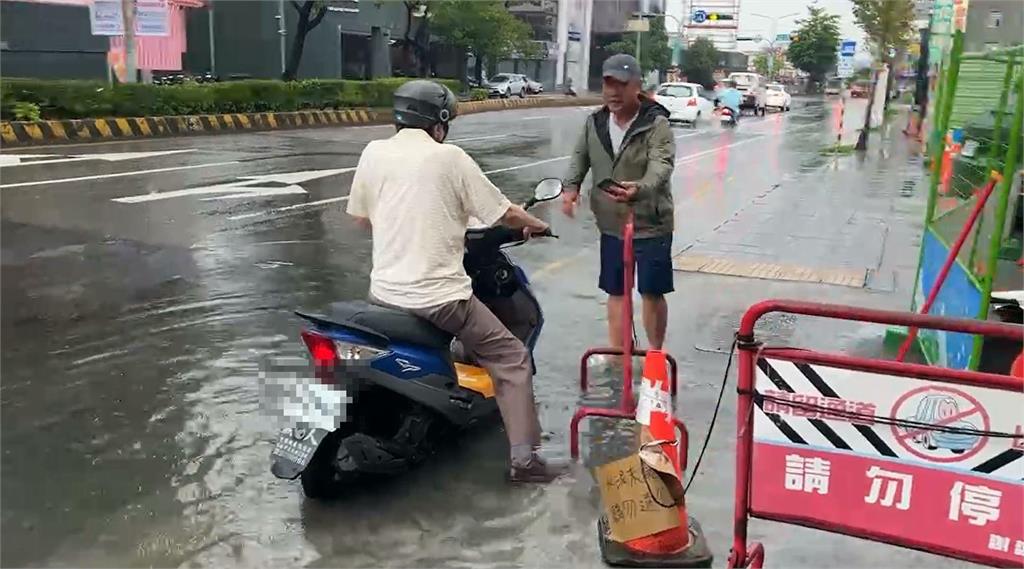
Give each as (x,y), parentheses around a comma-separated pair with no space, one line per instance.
(547,189)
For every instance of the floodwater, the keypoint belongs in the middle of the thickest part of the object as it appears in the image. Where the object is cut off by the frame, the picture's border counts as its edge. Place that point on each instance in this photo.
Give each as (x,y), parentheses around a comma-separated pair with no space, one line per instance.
(134,335)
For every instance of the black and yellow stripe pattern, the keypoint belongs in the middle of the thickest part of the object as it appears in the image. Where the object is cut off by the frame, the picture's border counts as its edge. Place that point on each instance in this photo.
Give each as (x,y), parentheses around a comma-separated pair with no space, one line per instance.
(15,133)
(18,133)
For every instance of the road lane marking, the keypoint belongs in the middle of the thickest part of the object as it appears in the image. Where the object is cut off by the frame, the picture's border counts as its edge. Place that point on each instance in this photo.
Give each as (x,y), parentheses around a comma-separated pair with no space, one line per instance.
(287,208)
(118,175)
(497,171)
(343,198)
(243,187)
(716,149)
(678,136)
(13,160)
(527,165)
(479,138)
(546,117)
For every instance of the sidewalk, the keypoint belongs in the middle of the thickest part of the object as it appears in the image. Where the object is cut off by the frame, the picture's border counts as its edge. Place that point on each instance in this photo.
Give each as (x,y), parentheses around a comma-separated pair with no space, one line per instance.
(846,232)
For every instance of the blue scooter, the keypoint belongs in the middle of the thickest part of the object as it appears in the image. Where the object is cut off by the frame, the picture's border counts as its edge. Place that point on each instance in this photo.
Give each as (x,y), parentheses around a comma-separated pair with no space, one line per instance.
(389,386)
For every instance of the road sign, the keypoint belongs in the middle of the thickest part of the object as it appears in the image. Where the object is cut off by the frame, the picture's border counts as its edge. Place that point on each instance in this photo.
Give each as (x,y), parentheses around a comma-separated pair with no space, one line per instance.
(848,48)
(636,26)
(700,16)
(906,459)
(574,33)
(844,69)
(781,38)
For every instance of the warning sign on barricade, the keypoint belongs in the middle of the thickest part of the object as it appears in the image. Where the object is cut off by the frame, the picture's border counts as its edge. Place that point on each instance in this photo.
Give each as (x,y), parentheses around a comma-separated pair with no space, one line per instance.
(900,459)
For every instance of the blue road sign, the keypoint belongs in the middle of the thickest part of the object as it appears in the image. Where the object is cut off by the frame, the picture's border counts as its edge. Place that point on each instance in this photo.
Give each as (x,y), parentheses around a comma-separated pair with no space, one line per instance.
(848,48)
(700,16)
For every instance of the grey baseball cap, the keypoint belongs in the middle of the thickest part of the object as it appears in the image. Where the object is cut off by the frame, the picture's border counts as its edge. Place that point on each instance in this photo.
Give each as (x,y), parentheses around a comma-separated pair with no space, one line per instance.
(622,67)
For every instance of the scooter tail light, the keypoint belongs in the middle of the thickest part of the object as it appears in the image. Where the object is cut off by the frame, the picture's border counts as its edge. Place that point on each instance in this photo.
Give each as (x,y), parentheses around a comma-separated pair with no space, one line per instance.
(321,348)
(692,102)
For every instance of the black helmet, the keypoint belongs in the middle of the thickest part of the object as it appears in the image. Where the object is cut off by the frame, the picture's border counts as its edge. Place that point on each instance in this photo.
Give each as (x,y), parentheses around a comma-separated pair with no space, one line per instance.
(422,104)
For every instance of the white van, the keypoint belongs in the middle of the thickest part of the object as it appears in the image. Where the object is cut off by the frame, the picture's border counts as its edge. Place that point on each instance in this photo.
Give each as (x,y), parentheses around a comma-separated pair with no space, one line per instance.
(752,85)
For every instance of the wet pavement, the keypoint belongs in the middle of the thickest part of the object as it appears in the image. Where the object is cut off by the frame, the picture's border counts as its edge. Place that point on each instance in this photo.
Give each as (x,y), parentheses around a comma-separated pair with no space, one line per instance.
(146,283)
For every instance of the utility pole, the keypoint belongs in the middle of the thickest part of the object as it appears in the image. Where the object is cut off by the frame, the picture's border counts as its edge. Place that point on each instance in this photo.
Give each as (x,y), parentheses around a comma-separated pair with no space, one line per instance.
(213,43)
(128,16)
(282,32)
(771,40)
(640,18)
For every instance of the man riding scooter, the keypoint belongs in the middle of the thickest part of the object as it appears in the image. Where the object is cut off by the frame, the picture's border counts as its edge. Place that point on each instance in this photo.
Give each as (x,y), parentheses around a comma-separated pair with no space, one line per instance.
(417,195)
(730,98)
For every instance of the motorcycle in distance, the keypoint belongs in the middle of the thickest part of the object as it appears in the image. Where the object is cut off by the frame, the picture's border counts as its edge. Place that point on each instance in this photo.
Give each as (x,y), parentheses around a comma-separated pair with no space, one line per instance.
(725,115)
(395,386)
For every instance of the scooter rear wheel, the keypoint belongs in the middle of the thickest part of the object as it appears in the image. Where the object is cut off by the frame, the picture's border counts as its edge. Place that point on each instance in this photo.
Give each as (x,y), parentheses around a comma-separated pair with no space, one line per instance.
(320,479)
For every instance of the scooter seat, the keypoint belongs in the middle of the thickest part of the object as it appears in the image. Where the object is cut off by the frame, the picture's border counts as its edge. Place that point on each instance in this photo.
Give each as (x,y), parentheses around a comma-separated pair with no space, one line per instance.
(397,325)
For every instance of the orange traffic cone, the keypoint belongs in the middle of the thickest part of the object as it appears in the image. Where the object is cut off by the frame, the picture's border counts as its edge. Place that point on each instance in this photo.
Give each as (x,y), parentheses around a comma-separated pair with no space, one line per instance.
(684,544)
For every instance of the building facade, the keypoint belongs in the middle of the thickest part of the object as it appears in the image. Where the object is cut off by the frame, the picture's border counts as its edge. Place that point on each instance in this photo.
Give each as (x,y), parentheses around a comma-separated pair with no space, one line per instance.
(994,24)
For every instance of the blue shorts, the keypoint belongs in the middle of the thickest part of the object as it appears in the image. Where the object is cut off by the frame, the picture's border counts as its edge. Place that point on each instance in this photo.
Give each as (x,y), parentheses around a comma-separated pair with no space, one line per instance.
(653,257)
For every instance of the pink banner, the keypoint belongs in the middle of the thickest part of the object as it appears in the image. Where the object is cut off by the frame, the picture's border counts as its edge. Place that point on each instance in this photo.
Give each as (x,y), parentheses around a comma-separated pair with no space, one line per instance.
(901,502)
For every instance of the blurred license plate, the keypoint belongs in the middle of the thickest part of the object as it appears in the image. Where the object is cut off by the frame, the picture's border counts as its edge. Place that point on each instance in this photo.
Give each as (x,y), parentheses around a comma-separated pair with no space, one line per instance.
(298,451)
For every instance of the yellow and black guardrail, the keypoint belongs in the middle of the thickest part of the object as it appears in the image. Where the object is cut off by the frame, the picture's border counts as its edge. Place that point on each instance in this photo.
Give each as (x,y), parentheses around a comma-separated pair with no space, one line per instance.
(25,133)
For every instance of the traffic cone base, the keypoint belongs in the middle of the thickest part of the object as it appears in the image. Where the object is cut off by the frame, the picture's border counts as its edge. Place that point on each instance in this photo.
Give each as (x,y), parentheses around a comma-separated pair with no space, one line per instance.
(695,554)
(684,544)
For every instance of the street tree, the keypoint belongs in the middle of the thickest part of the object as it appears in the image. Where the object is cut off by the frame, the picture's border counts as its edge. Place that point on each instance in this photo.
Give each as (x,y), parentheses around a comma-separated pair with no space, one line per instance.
(655,54)
(889,27)
(310,14)
(484,28)
(778,61)
(813,47)
(700,62)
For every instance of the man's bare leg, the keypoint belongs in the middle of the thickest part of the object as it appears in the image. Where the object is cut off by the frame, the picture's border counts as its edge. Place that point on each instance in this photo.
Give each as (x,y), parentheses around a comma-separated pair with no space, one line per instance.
(615,321)
(655,319)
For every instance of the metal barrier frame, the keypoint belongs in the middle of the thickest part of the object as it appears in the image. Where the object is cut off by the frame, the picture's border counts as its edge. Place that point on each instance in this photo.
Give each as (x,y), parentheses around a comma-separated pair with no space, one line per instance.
(745,554)
(627,406)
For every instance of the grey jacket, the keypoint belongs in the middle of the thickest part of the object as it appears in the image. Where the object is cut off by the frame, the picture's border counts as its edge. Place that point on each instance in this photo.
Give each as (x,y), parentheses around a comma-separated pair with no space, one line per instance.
(647,156)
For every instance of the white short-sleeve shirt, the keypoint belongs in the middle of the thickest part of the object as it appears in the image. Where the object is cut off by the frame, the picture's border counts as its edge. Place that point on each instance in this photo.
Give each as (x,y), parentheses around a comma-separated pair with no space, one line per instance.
(419,197)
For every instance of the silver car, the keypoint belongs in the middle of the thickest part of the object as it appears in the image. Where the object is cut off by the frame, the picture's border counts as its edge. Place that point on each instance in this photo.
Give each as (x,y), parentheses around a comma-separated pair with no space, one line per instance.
(507,84)
(534,87)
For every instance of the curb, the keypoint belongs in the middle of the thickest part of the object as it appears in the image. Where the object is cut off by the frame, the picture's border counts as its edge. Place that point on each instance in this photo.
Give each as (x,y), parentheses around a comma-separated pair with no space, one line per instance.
(28,133)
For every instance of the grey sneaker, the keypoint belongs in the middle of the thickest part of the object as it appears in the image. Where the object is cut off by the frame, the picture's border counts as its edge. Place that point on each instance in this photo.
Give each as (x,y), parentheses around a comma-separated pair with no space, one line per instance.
(536,471)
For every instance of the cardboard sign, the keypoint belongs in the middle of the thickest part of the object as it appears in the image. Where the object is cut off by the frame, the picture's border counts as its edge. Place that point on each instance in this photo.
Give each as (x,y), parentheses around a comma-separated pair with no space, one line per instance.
(631,509)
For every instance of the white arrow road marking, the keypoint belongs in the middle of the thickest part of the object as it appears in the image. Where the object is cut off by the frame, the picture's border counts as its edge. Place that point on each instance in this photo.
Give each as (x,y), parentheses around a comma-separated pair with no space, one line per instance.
(11,160)
(244,187)
(16,159)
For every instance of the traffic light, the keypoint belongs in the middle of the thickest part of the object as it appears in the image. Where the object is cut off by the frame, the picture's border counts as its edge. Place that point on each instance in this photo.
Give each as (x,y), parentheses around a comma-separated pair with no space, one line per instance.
(714,16)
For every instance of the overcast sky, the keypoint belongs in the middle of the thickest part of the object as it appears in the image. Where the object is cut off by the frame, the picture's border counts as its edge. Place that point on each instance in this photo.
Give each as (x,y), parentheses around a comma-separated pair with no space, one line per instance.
(752,25)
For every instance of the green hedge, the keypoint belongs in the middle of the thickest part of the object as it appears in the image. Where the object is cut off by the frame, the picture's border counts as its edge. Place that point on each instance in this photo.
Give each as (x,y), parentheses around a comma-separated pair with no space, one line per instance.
(95,99)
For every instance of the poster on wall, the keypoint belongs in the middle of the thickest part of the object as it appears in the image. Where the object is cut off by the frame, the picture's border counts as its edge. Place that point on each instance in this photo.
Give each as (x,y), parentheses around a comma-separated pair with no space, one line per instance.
(106,18)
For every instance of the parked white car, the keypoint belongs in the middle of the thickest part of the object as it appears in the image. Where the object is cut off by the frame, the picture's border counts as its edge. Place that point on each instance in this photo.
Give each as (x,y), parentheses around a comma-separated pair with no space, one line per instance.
(506,85)
(776,97)
(686,102)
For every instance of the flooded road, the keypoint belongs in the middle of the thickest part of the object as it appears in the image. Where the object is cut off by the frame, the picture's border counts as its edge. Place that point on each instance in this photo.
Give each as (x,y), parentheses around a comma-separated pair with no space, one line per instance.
(146,284)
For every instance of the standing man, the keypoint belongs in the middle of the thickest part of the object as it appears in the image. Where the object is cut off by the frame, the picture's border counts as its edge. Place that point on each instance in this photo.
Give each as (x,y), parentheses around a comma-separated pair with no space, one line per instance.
(417,195)
(629,147)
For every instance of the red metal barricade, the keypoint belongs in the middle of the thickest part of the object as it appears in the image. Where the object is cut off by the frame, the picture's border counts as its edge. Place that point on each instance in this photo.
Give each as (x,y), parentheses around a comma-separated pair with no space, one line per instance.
(627,406)
(922,457)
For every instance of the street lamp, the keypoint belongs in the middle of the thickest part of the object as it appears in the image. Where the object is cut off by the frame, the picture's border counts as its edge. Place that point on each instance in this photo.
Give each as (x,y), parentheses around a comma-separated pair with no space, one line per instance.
(772,37)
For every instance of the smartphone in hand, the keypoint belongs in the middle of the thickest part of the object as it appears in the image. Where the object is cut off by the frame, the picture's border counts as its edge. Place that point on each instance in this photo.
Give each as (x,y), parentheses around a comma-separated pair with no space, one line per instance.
(608,185)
